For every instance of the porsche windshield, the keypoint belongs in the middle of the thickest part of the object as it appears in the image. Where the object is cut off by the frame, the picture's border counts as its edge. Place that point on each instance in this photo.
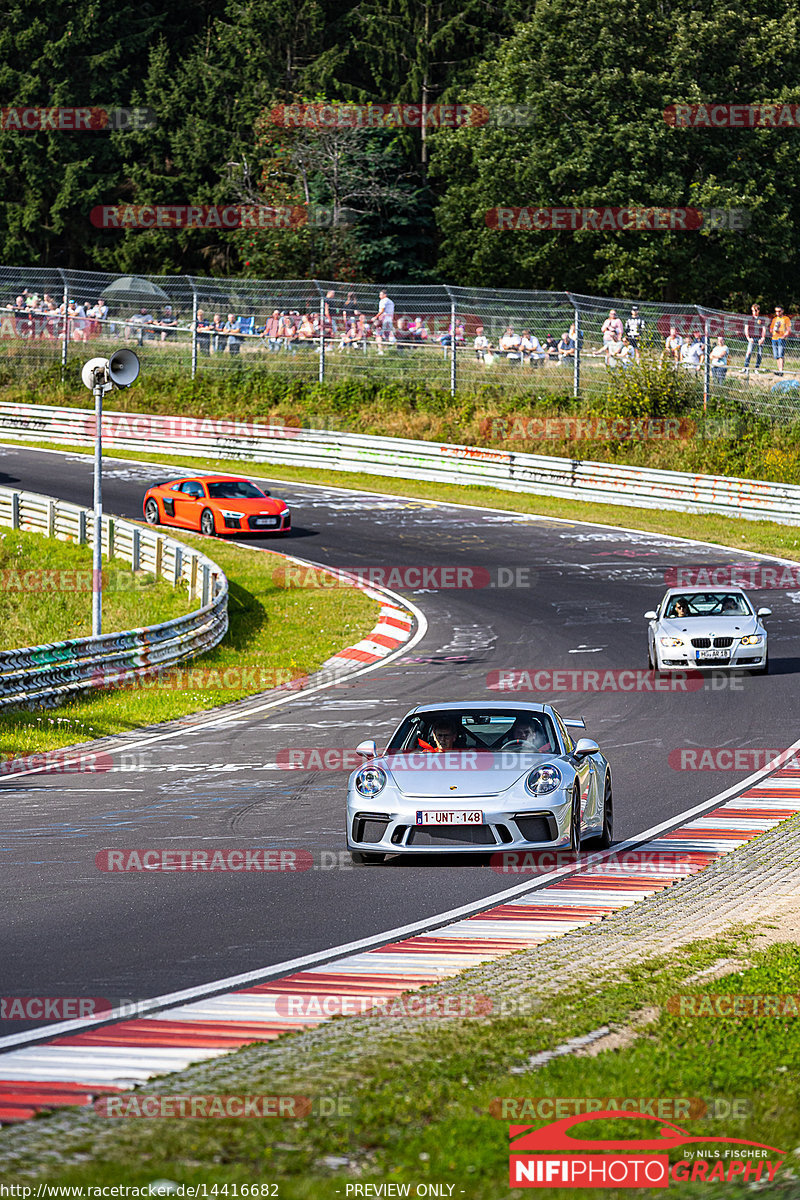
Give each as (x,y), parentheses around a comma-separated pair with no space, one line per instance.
(234,489)
(469,729)
(707,604)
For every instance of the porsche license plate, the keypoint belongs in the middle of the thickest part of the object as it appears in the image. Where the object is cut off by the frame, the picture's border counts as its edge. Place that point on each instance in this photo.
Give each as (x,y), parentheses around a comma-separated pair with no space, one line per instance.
(701,654)
(451,817)
(266,521)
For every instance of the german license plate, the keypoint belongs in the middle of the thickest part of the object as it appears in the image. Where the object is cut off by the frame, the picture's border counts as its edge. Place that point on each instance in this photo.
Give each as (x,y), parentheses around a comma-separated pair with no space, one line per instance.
(713,654)
(452,817)
(266,520)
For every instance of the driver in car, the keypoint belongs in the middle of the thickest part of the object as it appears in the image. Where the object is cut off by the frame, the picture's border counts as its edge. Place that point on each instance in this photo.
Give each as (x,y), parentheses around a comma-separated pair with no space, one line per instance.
(729,605)
(529,733)
(444,735)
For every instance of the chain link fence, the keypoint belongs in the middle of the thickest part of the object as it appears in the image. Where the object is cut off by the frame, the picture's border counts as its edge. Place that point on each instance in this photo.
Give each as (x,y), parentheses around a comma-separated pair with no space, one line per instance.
(455,338)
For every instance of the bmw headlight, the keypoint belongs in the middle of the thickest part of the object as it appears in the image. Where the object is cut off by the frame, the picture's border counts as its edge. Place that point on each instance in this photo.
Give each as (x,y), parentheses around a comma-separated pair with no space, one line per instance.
(370,781)
(754,639)
(544,780)
(668,641)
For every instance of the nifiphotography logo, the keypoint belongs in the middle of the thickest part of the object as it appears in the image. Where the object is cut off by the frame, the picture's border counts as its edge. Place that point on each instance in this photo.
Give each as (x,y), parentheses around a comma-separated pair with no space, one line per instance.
(550,1157)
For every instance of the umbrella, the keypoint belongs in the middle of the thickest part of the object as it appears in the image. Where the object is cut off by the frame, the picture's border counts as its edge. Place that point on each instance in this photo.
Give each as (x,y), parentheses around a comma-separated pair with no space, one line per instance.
(130,288)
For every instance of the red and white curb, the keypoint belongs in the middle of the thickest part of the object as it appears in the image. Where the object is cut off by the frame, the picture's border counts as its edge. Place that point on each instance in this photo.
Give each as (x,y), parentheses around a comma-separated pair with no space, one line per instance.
(78,1066)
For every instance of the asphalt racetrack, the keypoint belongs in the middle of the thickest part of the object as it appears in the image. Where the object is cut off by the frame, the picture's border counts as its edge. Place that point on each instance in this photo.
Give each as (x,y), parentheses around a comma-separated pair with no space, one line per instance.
(554,595)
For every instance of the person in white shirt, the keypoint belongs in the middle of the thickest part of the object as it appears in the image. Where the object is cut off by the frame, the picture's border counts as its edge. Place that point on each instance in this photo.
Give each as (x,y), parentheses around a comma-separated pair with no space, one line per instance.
(614,349)
(509,344)
(672,345)
(718,358)
(692,354)
(481,344)
(384,319)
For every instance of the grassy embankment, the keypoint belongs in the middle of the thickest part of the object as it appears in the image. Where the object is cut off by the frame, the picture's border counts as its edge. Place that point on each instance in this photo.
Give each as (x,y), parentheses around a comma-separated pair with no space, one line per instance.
(276,634)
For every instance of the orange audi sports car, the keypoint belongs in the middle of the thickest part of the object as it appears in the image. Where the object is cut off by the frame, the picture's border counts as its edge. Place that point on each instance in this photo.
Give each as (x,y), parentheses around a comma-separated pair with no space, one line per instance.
(216,504)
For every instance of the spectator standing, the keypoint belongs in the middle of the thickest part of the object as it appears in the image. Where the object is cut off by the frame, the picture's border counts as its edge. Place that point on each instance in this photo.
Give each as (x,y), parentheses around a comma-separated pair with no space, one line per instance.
(610,326)
(481,344)
(692,355)
(755,330)
(350,307)
(203,331)
(718,358)
(233,326)
(634,331)
(614,349)
(218,325)
(779,331)
(272,330)
(673,344)
(384,319)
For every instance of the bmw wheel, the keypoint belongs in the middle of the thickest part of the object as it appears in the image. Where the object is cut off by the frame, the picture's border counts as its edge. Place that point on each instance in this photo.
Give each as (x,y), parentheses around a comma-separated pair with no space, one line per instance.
(207,525)
(151,512)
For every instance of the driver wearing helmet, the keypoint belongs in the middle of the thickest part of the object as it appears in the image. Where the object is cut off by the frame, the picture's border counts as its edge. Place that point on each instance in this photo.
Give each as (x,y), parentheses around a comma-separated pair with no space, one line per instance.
(528,731)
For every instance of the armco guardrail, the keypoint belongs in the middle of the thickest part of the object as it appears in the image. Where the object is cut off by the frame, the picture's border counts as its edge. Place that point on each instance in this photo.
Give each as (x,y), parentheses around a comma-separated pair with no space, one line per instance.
(45,675)
(403,458)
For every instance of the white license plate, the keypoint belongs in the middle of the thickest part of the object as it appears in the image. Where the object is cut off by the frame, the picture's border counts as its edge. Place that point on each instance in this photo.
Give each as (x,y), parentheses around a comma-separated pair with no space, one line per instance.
(457,817)
(266,520)
(713,654)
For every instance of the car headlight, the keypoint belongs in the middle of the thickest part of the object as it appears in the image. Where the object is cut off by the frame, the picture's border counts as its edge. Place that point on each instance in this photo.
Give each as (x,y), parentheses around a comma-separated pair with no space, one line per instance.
(668,641)
(544,780)
(227,512)
(755,639)
(370,781)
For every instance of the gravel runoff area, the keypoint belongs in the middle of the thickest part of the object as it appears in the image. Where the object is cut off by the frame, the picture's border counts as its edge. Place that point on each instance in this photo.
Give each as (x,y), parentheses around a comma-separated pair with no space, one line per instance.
(755,886)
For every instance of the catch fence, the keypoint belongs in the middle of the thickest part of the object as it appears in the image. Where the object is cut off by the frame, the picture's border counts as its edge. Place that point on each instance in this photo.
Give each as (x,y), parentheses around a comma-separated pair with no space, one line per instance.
(454,338)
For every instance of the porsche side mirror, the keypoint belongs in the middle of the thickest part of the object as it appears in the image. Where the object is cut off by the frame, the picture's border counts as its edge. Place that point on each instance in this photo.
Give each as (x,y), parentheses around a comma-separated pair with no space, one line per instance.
(764,612)
(650,615)
(585,746)
(367,749)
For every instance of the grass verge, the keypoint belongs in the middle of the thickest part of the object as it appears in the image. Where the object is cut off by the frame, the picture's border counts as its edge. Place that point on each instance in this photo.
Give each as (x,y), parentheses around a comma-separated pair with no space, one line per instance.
(276,634)
(424,1101)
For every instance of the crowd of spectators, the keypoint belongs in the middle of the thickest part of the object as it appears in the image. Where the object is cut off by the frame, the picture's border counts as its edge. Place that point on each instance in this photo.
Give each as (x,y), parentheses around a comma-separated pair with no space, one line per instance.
(341,325)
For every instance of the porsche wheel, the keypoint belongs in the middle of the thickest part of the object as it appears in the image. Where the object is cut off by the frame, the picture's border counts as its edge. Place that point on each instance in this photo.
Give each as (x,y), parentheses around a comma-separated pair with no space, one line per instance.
(575,824)
(606,837)
(207,523)
(151,514)
(363,858)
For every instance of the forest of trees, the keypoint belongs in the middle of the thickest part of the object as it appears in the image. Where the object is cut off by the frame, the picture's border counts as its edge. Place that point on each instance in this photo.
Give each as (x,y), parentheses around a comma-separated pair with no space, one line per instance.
(595,79)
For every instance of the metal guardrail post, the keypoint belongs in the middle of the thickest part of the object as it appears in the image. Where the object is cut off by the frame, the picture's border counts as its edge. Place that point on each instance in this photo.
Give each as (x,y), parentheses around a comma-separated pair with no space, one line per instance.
(82,528)
(322,334)
(193,577)
(159,557)
(178,569)
(15,510)
(136,550)
(51,519)
(111,527)
(706,364)
(206,598)
(452,346)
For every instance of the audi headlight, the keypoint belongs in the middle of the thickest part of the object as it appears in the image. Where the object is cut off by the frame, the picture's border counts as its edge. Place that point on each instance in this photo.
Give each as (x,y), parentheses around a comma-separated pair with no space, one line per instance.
(227,512)
(755,639)
(668,641)
(370,781)
(544,780)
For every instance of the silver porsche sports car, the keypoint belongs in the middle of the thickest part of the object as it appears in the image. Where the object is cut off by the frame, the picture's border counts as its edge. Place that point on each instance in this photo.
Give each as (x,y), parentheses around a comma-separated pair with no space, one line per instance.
(693,628)
(467,778)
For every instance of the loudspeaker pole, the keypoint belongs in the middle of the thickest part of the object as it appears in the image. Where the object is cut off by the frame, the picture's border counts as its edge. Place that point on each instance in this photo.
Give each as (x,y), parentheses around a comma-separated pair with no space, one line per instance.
(97,549)
(100,375)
